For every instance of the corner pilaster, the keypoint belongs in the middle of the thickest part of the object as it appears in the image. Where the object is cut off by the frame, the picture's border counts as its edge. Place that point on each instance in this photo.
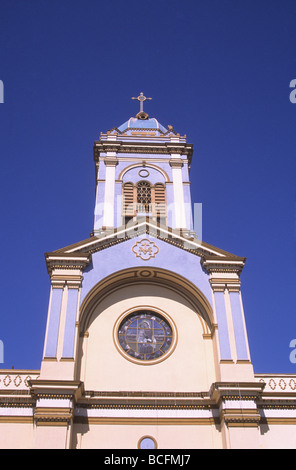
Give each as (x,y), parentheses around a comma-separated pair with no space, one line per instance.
(62,324)
(238,412)
(179,206)
(109,196)
(54,411)
(234,356)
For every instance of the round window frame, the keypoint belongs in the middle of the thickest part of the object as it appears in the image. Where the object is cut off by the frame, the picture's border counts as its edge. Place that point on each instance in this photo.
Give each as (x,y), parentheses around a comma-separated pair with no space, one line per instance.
(134,311)
(140,173)
(147,437)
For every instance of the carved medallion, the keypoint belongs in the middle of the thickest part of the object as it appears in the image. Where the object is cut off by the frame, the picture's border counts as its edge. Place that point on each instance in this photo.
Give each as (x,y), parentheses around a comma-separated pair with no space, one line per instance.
(145,249)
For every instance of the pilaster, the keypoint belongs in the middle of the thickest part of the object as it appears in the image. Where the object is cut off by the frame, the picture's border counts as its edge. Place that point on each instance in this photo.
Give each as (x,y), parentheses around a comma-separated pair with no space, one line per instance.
(179,205)
(109,196)
(54,411)
(62,324)
(233,351)
(238,412)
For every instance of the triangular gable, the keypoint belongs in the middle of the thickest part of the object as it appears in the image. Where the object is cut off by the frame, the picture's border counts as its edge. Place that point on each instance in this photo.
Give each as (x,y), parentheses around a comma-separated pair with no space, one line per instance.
(81,252)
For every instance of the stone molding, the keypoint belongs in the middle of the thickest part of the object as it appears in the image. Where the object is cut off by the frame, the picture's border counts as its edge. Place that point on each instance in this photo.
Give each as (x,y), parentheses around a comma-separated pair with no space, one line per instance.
(58,391)
(220,285)
(166,148)
(63,261)
(215,264)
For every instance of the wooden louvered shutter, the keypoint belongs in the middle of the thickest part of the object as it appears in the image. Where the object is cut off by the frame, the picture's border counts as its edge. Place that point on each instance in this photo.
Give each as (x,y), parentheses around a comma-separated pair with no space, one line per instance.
(160,200)
(128,200)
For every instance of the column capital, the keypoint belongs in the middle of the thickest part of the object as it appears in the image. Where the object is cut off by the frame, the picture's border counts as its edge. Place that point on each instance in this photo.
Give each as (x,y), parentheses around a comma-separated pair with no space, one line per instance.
(220,284)
(176,162)
(72,281)
(111,159)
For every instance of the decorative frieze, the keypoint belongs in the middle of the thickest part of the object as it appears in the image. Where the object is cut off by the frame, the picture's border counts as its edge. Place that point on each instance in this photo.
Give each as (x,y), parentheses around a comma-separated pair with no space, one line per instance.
(162,148)
(278,383)
(17,379)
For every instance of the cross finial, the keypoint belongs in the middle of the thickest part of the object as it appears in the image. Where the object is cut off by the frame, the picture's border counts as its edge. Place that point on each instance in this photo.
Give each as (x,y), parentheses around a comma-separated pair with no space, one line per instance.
(141,98)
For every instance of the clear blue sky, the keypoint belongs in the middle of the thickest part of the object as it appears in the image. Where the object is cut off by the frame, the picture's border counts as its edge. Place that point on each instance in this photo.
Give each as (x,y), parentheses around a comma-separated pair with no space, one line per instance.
(218,71)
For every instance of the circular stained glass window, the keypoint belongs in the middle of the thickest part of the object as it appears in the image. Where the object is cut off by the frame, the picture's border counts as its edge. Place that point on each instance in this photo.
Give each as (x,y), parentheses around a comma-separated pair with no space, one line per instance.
(145,336)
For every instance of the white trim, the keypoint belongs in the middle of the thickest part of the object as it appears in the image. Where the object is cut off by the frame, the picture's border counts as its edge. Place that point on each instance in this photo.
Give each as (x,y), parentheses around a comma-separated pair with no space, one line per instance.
(108,215)
(118,234)
(179,206)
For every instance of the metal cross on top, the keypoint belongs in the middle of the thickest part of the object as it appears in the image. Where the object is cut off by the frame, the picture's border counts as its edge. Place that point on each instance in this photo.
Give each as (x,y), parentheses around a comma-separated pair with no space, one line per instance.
(141,98)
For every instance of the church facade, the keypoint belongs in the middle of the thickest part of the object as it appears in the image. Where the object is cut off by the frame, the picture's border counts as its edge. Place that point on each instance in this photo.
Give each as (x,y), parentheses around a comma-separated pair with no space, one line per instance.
(146,343)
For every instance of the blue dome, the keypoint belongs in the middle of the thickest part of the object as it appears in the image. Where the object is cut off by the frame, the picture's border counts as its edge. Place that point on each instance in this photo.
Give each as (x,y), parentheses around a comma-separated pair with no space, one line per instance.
(135,123)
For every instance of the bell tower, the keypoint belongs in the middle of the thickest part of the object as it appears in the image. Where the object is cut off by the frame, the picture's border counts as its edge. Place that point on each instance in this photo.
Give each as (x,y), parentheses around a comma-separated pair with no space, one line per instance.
(146,342)
(142,170)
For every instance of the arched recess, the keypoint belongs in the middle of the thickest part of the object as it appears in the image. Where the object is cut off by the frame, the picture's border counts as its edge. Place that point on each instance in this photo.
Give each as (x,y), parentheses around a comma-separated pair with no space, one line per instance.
(152,276)
(146,165)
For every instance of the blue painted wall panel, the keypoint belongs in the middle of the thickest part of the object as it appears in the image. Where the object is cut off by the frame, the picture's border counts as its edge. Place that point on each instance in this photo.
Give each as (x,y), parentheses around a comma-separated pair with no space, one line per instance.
(174,259)
(54,323)
(225,351)
(238,325)
(69,334)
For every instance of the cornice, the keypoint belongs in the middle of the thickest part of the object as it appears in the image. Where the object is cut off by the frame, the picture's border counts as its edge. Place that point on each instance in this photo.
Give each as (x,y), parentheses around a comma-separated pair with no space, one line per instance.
(148,404)
(228,264)
(278,403)
(221,391)
(61,389)
(146,400)
(183,239)
(76,261)
(165,148)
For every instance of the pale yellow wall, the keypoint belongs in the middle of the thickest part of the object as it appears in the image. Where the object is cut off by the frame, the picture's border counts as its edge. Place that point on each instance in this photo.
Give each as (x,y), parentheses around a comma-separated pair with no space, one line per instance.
(189,368)
(52,437)
(95,436)
(277,436)
(16,435)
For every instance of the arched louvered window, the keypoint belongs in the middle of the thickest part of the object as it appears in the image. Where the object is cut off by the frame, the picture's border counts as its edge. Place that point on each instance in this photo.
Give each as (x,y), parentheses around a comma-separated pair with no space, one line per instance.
(144,198)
